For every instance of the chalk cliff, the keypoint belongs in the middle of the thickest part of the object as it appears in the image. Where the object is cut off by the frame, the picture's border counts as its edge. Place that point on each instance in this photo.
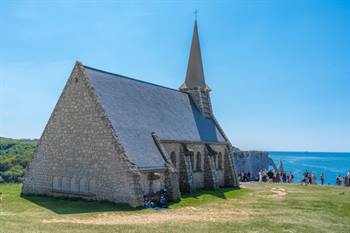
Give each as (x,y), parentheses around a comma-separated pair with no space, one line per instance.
(252,161)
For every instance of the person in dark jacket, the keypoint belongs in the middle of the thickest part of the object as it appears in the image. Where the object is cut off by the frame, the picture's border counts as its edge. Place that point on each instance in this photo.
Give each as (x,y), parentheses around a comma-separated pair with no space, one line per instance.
(322,178)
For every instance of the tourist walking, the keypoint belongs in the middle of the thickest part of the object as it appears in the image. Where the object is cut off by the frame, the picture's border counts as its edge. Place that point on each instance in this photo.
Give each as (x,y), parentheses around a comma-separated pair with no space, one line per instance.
(322,178)
(242,176)
(290,177)
(284,177)
(260,176)
(306,177)
(313,178)
(274,179)
(338,180)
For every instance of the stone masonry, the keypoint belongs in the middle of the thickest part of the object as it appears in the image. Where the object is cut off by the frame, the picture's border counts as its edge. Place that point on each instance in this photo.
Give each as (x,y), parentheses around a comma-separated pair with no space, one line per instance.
(78,138)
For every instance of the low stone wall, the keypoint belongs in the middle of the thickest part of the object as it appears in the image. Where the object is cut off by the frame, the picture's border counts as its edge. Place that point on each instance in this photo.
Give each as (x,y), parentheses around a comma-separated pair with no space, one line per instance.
(252,161)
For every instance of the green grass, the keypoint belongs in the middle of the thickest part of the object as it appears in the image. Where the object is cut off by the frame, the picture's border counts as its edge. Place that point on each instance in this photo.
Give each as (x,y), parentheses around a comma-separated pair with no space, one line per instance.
(303,209)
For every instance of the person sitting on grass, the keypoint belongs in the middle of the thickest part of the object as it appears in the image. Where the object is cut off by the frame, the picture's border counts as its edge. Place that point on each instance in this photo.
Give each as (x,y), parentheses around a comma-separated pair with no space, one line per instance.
(163,203)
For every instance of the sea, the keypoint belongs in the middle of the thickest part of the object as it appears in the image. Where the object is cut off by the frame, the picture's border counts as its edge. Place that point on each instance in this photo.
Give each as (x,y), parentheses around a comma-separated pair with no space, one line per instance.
(330,163)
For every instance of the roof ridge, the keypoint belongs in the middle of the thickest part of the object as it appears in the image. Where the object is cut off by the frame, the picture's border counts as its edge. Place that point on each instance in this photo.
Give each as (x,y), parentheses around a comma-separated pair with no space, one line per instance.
(133,79)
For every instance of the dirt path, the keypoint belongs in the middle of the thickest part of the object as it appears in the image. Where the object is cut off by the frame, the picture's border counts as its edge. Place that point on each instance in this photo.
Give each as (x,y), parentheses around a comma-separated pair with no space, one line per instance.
(251,185)
(178,215)
(183,215)
(279,192)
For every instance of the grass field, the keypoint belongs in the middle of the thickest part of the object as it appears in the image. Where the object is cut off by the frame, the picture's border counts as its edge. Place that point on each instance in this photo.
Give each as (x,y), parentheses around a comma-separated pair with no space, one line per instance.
(256,208)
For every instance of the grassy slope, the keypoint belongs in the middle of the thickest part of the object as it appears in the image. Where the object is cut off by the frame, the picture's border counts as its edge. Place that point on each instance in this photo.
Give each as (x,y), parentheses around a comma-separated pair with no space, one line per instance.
(303,209)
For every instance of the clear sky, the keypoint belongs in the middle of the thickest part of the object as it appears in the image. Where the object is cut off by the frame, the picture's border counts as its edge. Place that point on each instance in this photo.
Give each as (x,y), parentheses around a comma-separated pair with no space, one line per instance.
(279,70)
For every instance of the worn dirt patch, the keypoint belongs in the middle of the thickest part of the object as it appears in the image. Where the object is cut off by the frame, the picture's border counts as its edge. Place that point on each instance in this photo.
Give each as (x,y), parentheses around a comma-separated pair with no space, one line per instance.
(279,192)
(183,215)
(6,214)
(251,185)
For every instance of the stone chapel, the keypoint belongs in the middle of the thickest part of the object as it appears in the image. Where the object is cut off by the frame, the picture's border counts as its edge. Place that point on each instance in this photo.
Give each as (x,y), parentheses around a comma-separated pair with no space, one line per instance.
(116,138)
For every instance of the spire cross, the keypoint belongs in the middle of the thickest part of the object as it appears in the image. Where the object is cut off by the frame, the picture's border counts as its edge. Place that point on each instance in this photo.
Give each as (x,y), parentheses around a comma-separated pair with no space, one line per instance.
(195,13)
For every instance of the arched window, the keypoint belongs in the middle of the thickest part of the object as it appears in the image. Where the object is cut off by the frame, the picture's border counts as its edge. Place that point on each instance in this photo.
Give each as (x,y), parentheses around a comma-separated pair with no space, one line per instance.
(83,186)
(220,161)
(192,160)
(173,158)
(199,162)
(66,184)
(57,183)
(74,185)
(215,161)
(92,186)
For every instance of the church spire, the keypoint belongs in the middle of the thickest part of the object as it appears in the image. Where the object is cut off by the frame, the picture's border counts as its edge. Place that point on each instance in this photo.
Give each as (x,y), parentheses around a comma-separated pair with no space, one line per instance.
(195,73)
(195,84)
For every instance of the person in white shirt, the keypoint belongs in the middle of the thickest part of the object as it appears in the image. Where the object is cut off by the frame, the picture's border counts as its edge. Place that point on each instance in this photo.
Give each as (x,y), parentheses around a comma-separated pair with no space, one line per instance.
(260,176)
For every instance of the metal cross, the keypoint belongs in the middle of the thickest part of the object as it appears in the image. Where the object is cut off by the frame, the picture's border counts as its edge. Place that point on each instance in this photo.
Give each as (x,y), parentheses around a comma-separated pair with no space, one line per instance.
(195,13)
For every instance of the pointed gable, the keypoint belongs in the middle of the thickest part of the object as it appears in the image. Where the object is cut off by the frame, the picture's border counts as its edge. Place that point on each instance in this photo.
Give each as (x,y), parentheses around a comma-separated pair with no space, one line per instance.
(136,109)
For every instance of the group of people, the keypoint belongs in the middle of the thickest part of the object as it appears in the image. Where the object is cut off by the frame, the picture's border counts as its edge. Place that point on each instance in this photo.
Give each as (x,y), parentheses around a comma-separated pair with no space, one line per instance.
(158,199)
(283,177)
(244,176)
(340,179)
(311,178)
(275,177)
(268,176)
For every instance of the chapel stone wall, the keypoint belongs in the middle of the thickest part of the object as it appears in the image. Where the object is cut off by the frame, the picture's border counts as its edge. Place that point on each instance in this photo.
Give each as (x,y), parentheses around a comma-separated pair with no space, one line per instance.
(78,154)
(197,162)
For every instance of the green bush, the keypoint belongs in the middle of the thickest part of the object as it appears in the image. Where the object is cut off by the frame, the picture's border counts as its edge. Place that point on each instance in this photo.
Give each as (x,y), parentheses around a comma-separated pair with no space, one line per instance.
(14,157)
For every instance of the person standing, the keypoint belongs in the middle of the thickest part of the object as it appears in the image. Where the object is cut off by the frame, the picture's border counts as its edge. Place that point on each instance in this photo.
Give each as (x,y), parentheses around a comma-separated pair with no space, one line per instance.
(313,178)
(337,180)
(322,178)
(260,176)
(290,178)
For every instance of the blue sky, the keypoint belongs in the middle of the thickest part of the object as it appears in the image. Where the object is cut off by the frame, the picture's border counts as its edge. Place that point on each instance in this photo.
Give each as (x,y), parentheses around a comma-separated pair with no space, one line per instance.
(279,70)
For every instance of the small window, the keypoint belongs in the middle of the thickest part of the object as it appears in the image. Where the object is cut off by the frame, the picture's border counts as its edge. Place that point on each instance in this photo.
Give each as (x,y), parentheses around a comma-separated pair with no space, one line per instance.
(220,161)
(92,186)
(173,158)
(83,186)
(74,185)
(192,160)
(57,183)
(199,162)
(215,161)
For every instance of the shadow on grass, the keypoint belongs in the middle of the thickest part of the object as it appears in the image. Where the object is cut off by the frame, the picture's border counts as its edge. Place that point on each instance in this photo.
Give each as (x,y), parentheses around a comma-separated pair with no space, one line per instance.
(63,205)
(199,196)
(220,193)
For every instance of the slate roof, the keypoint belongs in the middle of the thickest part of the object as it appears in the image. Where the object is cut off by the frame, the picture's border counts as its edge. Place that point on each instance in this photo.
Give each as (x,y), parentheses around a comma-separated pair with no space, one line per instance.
(136,109)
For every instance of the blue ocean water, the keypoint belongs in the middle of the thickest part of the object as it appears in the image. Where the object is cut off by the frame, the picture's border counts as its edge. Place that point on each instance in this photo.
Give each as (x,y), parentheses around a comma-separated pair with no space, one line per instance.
(330,163)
